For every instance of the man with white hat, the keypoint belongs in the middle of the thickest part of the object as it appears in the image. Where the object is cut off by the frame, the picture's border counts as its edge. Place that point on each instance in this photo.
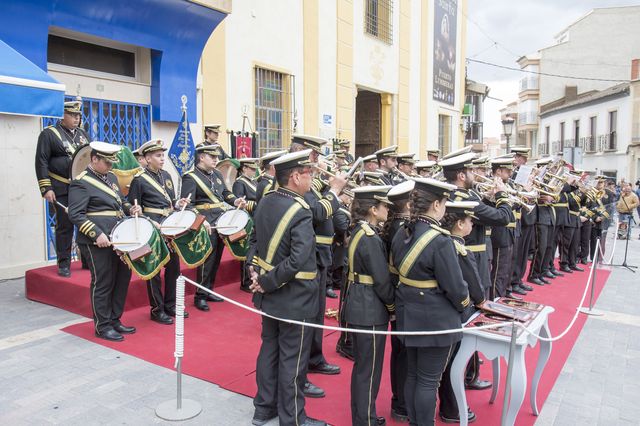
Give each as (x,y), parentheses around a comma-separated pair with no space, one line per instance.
(266,181)
(95,206)
(211,136)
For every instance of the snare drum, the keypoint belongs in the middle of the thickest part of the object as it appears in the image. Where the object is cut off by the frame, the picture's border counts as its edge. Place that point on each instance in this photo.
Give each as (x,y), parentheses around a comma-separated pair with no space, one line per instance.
(180,223)
(235,226)
(140,245)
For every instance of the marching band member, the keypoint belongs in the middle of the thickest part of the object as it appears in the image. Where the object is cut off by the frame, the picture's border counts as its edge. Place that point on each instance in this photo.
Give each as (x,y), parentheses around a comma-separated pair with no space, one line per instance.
(266,181)
(604,198)
(433,154)
(345,145)
(245,187)
(425,168)
(386,163)
(140,158)
(211,136)
(431,295)
(211,198)
(369,301)
(569,255)
(55,149)
(370,163)
(95,206)
(587,214)
(153,190)
(340,157)
(406,164)
(341,220)
(458,221)
(399,214)
(285,285)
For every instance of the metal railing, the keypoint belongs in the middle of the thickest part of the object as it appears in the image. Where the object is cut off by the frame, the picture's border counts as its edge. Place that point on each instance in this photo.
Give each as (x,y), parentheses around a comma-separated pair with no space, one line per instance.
(610,141)
(543,149)
(588,144)
(378,19)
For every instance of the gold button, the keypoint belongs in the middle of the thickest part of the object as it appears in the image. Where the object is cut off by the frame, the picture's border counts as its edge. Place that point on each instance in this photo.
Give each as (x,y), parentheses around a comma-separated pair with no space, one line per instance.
(421,293)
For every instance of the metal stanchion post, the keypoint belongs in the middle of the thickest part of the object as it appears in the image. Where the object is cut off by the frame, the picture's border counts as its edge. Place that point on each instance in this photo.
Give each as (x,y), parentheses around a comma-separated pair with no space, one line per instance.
(594,265)
(179,409)
(507,388)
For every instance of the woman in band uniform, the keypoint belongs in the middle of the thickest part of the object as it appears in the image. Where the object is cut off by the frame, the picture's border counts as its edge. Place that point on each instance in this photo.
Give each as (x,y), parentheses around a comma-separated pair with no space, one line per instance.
(430,297)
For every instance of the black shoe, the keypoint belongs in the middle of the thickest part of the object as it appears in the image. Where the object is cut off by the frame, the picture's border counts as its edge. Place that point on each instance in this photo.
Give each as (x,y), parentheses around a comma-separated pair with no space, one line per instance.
(345,352)
(261,420)
(584,261)
(511,295)
(123,329)
(525,287)
(549,274)
(212,298)
(172,313)
(566,269)
(313,422)
(478,385)
(201,304)
(312,391)
(517,290)
(246,289)
(161,318)
(471,417)
(399,415)
(331,294)
(110,334)
(325,368)
(381,421)
(536,281)
(576,268)
(556,272)
(545,281)
(64,271)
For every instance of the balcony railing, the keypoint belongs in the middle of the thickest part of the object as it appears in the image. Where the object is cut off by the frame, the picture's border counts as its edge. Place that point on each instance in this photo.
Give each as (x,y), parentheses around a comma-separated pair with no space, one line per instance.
(529,117)
(588,144)
(635,133)
(543,149)
(610,142)
(528,83)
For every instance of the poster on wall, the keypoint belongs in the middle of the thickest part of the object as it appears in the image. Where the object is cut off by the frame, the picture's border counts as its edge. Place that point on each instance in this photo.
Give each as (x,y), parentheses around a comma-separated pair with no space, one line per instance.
(444,51)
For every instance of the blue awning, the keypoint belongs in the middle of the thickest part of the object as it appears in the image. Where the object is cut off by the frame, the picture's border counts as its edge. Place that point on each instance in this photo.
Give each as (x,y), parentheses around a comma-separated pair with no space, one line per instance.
(25,89)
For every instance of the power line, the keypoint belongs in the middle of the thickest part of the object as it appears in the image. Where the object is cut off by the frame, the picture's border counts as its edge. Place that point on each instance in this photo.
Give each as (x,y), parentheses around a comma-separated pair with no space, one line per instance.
(495,42)
(545,73)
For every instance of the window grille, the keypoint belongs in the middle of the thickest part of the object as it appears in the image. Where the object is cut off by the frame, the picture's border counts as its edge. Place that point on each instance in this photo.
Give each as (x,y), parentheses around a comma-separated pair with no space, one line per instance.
(378,19)
(275,96)
(114,122)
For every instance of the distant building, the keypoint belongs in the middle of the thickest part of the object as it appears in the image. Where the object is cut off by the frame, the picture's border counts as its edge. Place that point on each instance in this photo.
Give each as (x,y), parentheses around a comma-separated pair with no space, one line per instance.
(473,114)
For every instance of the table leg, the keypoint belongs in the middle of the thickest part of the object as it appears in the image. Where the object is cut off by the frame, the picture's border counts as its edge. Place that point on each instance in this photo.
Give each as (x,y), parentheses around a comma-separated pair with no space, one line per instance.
(543,357)
(518,384)
(495,366)
(458,367)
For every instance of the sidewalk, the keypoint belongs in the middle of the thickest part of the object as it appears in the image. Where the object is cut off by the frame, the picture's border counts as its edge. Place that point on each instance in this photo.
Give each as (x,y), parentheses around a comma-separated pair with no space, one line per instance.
(50,377)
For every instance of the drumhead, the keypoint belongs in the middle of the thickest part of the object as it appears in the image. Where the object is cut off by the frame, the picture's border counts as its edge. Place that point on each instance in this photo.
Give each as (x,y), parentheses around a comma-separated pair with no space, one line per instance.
(81,159)
(125,231)
(182,221)
(232,221)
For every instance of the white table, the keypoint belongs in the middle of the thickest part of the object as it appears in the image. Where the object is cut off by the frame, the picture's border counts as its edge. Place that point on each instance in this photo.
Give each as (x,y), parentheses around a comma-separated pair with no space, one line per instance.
(493,346)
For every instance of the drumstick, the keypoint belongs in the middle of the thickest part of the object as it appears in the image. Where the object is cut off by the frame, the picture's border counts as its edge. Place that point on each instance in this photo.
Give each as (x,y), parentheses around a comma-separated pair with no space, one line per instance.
(63,206)
(183,207)
(135,203)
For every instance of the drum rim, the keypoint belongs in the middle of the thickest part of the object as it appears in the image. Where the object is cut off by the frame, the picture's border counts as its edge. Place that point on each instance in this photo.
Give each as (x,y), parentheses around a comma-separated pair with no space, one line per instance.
(124,220)
(179,233)
(226,232)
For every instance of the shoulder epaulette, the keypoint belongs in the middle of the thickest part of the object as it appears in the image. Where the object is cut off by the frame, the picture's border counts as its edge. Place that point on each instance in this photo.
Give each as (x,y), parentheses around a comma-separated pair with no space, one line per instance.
(440,230)
(345,211)
(301,201)
(367,230)
(461,194)
(81,175)
(460,248)
(139,173)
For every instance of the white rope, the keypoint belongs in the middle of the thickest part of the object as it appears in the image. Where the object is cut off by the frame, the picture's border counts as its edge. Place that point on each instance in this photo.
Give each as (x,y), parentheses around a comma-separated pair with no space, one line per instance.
(179,351)
(615,240)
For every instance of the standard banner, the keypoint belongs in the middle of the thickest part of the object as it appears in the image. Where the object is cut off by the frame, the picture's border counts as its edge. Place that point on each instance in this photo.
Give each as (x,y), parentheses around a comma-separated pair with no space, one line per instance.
(444,51)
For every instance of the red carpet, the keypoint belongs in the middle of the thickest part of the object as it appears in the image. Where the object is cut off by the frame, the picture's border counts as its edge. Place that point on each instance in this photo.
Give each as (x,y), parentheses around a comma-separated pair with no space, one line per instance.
(222,345)
(72,294)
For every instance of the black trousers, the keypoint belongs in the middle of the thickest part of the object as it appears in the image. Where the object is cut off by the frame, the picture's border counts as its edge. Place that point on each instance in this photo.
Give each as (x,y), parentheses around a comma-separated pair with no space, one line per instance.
(109,284)
(368,352)
(500,271)
(316,357)
(527,237)
(398,372)
(345,344)
(245,280)
(483,261)
(574,247)
(426,367)
(542,245)
(585,240)
(64,232)
(280,371)
(556,241)
(597,233)
(206,273)
(164,302)
(337,273)
(565,248)
(448,405)
(550,252)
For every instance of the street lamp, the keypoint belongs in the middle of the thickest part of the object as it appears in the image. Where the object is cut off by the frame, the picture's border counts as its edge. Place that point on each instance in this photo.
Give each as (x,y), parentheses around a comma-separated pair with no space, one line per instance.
(507,128)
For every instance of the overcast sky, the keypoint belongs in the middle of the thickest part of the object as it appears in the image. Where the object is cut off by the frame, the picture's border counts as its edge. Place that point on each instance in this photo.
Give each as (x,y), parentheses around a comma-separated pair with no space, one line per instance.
(519,27)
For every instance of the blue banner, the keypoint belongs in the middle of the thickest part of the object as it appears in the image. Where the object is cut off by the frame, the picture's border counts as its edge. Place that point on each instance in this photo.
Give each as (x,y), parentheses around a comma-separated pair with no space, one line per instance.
(182,151)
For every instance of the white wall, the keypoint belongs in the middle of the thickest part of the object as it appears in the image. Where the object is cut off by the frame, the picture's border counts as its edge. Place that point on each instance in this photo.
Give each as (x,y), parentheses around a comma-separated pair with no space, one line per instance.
(601,161)
(327,59)
(22,229)
(265,33)
(415,95)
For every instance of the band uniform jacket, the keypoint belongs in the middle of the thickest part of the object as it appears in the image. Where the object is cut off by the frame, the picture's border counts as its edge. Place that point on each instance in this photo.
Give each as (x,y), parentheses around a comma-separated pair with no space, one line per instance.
(432,292)
(562,206)
(264,184)
(546,214)
(154,192)
(370,294)
(503,235)
(470,274)
(323,205)
(245,187)
(396,223)
(574,200)
(55,149)
(209,195)
(488,215)
(341,220)
(282,252)
(95,205)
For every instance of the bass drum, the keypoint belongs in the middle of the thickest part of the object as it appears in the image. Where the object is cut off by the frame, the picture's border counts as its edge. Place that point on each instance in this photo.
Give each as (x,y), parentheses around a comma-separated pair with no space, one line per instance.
(229,170)
(80,160)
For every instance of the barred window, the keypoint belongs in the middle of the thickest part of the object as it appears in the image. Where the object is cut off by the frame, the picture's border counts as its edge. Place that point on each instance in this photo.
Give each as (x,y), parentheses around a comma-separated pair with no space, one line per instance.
(378,19)
(273,109)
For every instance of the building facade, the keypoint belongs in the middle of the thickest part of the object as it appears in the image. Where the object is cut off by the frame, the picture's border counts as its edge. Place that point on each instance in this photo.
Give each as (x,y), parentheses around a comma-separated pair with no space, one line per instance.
(376,72)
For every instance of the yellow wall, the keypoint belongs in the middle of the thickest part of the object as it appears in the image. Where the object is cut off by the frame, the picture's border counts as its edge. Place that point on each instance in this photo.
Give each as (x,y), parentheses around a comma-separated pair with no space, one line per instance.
(214,83)
(344,71)
(311,65)
(403,74)
(386,119)
(426,52)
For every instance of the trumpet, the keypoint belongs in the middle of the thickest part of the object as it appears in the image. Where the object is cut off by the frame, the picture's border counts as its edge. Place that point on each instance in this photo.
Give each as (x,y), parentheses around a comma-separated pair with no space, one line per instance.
(400,173)
(521,198)
(350,182)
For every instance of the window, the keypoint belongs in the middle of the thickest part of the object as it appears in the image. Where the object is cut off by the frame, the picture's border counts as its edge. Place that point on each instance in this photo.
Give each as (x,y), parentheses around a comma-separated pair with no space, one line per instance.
(561,136)
(444,133)
(274,94)
(79,54)
(576,132)
(611,138)
(378,19)
(590,145)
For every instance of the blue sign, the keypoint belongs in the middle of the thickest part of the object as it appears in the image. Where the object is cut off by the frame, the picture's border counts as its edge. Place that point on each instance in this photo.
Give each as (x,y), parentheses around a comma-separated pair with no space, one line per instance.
(327,119)
(182,151)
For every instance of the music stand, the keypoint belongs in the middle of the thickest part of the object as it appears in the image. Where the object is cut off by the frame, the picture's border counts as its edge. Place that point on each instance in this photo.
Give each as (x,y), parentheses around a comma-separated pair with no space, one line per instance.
(626,245)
